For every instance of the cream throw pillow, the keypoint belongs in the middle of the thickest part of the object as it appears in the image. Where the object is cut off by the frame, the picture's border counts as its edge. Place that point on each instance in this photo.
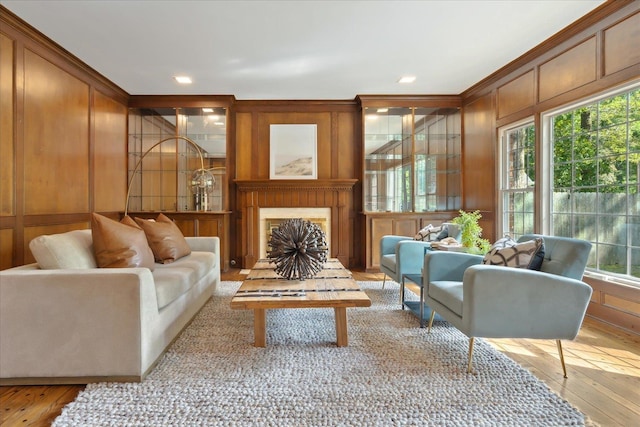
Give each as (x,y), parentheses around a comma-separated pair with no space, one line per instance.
(70,250)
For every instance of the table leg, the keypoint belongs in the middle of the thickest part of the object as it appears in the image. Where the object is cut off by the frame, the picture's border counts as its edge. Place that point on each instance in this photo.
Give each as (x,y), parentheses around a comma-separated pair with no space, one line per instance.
(260,327)
(341,326)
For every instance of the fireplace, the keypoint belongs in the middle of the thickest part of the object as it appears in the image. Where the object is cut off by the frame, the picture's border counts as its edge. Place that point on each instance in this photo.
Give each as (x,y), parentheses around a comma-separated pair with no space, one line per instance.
(270,218)
(331,199)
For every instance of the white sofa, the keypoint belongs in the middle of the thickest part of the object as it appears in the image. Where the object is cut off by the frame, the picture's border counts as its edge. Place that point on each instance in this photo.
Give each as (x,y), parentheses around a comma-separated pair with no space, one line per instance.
(79,325)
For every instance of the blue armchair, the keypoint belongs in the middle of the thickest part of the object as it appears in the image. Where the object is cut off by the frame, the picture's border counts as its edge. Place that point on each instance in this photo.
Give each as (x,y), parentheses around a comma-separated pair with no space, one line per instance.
(503,302)
(403,255)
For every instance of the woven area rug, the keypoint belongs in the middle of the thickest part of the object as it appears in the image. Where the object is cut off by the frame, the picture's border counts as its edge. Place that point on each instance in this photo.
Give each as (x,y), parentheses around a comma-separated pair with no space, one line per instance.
(392,373)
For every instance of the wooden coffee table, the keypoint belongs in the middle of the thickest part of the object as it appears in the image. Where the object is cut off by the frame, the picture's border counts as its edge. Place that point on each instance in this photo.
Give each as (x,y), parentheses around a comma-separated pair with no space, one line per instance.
(333,287)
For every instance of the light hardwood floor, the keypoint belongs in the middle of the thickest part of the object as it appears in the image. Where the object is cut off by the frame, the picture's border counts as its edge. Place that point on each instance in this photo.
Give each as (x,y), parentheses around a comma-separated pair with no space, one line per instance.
(603,366)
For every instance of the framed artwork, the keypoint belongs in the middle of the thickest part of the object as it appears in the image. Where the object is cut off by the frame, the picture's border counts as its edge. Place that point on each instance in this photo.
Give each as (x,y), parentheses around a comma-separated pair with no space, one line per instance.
(293,152)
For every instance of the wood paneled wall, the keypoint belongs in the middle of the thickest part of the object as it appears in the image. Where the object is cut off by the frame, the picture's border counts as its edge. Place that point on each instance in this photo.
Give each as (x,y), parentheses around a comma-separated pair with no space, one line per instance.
(479,178)
(338,151)
(597,53)
(62,142)
(339,158)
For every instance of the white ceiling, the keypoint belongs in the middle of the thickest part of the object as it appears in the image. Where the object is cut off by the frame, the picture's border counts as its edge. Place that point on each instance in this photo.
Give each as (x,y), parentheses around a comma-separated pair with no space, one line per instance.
(298,49)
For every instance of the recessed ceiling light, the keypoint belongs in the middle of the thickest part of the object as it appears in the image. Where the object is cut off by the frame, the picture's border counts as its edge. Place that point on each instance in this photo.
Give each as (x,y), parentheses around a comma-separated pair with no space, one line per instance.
(382,110)
(407,79)
(207,110)
(183,80)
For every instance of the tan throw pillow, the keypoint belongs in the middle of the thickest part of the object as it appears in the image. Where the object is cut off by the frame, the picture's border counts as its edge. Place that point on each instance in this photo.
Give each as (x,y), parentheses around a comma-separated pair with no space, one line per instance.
(118,245)
(507,252)
(165,239)
(129,221)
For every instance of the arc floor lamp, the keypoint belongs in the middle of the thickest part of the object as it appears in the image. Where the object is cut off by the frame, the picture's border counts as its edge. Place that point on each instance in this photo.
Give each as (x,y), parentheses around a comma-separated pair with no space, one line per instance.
(202,181)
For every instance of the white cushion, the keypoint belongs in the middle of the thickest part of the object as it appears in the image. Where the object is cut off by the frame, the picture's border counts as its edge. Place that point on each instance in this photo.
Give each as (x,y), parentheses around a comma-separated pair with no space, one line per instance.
(173,280)
(70,250)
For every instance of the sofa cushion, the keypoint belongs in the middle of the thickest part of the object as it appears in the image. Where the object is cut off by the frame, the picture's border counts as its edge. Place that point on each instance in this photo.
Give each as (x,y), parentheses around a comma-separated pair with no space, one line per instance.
(173,280)
(70,250)
(448,293)
(507,252)
(118,245)
(165,239)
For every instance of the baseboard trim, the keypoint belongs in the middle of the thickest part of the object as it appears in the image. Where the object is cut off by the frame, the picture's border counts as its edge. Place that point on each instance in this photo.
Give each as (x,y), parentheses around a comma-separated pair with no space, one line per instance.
(67,380)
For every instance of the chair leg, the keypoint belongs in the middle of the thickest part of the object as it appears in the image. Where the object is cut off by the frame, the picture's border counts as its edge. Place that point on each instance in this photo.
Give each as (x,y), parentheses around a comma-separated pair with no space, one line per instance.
(433,314)
(384,280)
(470,361)
(564,368)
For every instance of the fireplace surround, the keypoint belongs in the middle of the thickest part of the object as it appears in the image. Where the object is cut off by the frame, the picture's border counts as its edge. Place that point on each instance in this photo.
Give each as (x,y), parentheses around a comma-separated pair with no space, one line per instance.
(333,196)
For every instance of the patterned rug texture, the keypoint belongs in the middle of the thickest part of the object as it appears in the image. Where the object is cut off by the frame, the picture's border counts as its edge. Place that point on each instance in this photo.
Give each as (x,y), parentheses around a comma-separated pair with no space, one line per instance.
(392,373)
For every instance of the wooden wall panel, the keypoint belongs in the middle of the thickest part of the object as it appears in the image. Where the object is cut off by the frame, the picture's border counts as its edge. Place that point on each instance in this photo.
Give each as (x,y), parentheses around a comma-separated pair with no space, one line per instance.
(109,154)
(479,154)
(56,139)
(516,95)
(344,151)
(376,228)
(406,226)
(479,162)
(618,305)
(53,112)
(6,248)
(622,45)
(572,69)
(266,119)
(259,164)
(243,145)
(31,233)
(7,151)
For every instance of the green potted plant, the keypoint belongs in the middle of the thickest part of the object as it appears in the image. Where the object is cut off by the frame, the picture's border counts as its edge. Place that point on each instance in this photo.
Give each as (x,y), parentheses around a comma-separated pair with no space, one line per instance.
(471,232)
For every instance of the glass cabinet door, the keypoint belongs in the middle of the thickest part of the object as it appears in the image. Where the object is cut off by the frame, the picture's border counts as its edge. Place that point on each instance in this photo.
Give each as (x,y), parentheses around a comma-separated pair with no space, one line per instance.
(160,175)
(412,159)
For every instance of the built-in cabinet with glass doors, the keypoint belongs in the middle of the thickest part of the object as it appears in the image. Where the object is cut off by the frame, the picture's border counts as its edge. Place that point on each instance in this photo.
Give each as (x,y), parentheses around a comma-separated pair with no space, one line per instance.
(412,159)
(162,180)
(164,146)
(412,166)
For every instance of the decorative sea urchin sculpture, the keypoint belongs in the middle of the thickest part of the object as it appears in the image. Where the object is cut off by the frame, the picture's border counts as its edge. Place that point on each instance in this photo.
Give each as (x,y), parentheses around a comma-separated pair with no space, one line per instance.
(298,248)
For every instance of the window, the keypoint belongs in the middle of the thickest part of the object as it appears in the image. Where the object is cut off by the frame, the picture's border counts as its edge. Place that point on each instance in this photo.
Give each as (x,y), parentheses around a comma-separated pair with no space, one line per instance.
(594,163)
(518,179)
